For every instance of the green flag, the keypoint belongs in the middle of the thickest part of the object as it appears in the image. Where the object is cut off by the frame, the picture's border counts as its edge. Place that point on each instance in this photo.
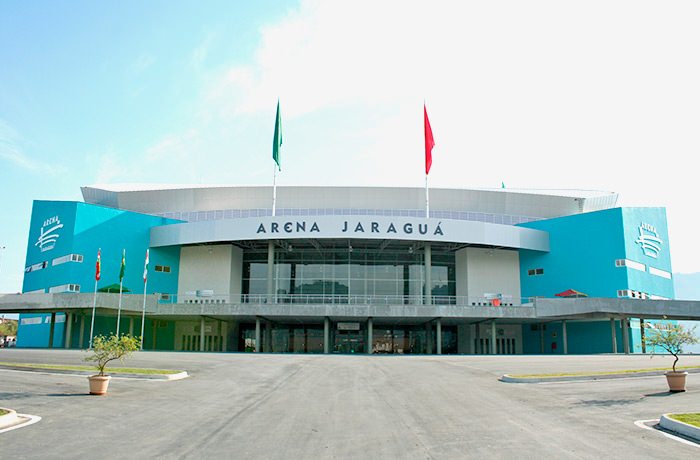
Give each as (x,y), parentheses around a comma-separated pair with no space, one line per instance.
(123,267)
(277,141)
(503,184)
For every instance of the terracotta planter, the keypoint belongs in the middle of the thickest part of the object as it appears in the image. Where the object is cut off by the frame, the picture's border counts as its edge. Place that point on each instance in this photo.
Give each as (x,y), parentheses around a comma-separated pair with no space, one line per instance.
(99,384)
(676,381)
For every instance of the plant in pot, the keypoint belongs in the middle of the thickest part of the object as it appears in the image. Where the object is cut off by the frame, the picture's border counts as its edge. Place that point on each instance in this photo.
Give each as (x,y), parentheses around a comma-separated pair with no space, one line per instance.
(672,339)
(104,350)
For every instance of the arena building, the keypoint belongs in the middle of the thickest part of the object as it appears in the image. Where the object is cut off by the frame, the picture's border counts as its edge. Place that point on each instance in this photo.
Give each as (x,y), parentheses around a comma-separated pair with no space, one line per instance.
(347,270)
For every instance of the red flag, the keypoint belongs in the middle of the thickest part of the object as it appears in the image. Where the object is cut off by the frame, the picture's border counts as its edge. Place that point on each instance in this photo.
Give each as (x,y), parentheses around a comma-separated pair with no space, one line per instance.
(429,142)
(98,266)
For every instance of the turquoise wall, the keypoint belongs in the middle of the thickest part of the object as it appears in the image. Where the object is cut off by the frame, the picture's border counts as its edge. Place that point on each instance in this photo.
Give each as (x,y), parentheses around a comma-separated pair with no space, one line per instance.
(84,229)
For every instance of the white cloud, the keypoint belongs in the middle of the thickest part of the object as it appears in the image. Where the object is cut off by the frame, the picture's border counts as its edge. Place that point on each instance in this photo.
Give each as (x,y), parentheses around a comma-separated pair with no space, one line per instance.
(12,152)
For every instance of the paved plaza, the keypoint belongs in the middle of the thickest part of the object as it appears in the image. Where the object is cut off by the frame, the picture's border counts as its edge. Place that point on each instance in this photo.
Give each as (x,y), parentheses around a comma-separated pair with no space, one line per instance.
(329,406)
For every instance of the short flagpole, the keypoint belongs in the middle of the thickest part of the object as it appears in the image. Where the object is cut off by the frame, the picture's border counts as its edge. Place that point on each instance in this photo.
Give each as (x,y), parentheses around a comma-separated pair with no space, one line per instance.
(427,199)
(274,190)
(143,312)
(92,322)
(119,309)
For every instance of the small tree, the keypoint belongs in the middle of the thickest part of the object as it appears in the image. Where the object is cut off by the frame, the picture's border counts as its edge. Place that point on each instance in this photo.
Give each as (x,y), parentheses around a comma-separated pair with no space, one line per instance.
(671,339)
(106,349)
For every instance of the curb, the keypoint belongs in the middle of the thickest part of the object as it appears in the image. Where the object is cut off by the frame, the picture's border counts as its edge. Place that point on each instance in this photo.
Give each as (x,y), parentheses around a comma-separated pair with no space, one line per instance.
(178,376)
(684,429)
(507,378)
(8,419)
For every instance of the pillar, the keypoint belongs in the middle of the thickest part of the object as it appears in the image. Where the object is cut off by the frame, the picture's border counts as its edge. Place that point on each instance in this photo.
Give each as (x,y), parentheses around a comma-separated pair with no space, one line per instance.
(493,337)
(326,335)
(268,337)
(155,334)
(614,335)
(428,275)
(82,330)
(370,333)
(438,336)
(221,336)
(52,328)
(201,333)
(270,272)
(624,324)
(564,337)
(542,338)
(428,339)
(131,326)
(641,332)
(67,330)
(257,335)
(477,347)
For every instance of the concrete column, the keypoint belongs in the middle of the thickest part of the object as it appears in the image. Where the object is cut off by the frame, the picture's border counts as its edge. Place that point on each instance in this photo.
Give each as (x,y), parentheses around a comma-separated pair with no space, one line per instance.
(428,275)
(493,337)
(624,324)
(257,335)
(438,336)
(477,347)
(155,334)
(52,329)
(131,326)
(268,337)
(67,330)
(221,335)
(428,339)
(370,333)
(542,338)
(641,333)
(614,335)
(270,272)
(201,333)
(564,338)
(326,335)
(82,330)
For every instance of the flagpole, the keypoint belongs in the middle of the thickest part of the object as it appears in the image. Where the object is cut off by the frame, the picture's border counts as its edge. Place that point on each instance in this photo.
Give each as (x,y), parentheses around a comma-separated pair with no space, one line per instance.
(427,199)
(119,310)
(274,190)
(92,323)
(143,312)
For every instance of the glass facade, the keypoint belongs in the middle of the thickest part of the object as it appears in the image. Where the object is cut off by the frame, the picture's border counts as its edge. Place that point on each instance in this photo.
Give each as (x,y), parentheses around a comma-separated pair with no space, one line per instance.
(343,270)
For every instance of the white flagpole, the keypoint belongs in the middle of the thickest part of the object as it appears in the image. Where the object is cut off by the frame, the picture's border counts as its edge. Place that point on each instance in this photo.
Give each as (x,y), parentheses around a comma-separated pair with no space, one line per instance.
(143,313)
(274,190)
(92,323)
(427,199)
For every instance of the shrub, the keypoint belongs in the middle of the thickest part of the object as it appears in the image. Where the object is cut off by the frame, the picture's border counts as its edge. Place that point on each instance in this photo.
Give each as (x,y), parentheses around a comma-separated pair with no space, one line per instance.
(671,339)
(106,349)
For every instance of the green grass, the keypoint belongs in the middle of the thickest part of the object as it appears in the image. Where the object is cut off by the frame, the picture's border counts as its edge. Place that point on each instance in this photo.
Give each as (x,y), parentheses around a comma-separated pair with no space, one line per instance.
(115,370)
(3,412)
(692,418)
(577,374)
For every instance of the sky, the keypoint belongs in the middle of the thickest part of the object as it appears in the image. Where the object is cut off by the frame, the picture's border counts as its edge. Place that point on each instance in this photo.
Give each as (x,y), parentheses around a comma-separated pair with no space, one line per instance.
(596,95)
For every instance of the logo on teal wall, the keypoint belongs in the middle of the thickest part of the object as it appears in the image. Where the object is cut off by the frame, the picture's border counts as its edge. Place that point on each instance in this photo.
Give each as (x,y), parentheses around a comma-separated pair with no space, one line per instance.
(649,240)
(49,234)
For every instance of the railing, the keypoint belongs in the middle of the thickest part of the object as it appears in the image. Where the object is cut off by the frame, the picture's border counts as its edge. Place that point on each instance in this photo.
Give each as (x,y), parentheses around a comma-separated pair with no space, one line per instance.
(339,299)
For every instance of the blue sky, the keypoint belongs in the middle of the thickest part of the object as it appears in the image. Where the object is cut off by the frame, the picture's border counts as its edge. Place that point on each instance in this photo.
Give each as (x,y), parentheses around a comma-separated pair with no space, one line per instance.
(544,94)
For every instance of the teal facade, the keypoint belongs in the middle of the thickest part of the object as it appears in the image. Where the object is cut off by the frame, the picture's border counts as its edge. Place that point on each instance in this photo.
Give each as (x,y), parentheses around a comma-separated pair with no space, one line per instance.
(585,254)
(60,229)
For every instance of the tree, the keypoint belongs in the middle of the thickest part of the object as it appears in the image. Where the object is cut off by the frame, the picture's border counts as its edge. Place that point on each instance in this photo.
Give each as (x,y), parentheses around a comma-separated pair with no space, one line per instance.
(9,327)
(106,349)
(672,339)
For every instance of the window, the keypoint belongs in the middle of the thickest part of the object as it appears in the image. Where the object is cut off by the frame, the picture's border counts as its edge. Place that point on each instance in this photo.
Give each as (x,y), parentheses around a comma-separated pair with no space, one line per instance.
(65,288)
(67,258)
(630,264)
(630,294)
(35,267)
(535,271)
(163,268)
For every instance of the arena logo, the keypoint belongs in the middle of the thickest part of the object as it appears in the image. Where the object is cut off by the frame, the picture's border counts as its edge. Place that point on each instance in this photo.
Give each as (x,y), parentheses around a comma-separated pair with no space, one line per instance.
(408,228)
(289,227)
(649,240)
(49,234)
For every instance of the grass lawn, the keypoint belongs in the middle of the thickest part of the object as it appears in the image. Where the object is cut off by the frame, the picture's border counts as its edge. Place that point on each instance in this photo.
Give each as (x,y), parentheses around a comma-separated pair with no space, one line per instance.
(690,419)
(3,412)
(116,370)
(575,374)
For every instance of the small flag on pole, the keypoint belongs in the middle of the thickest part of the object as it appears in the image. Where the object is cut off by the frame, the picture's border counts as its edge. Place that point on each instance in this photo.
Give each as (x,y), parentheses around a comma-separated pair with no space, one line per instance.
(429,142)
(145,268)
(98,266)
(503,184)
(123,267)
(277,140)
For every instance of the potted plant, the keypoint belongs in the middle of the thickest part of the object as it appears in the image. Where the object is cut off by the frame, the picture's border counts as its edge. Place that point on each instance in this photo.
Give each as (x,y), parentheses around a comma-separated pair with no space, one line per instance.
(672,339)
(104,350)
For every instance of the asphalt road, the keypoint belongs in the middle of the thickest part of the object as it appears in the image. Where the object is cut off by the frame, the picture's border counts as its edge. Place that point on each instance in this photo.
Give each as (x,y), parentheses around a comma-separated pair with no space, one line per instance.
(315,406)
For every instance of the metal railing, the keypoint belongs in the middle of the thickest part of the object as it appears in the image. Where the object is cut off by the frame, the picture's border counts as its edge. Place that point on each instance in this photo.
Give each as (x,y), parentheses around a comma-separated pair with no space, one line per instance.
(341,299)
